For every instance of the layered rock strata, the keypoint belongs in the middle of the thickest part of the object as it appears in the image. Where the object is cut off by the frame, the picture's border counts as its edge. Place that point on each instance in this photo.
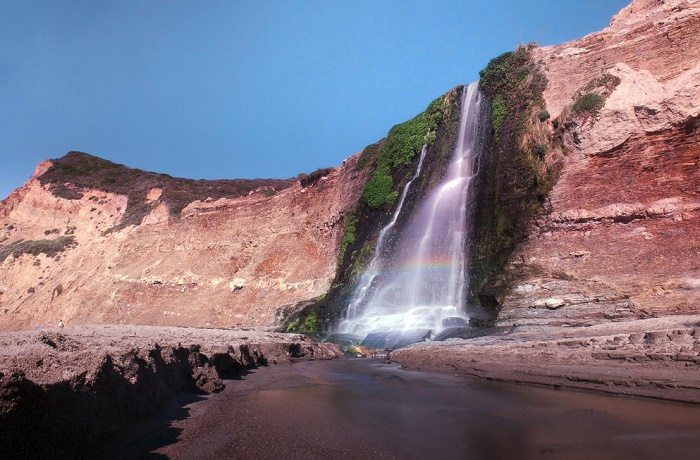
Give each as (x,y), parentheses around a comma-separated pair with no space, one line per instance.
(194,253)
(604,292)
(657,358)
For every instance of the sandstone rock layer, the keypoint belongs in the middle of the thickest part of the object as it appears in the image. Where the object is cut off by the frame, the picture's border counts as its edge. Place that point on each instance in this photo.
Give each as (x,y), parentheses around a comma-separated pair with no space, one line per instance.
(216,262)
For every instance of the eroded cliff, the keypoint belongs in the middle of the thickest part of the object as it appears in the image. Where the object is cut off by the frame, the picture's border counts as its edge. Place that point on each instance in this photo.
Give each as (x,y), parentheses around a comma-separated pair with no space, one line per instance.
(602,290)
(619,235)
(88,241)
(586,210)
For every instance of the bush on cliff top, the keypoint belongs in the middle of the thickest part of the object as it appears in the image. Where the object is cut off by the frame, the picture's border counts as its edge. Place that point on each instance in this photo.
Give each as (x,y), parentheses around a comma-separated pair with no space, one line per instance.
(72,175)
(50,248)
(400,148)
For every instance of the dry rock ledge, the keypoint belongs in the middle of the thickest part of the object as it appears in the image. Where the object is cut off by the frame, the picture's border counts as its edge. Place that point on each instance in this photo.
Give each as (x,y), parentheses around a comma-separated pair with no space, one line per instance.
(62,390)
(656,357)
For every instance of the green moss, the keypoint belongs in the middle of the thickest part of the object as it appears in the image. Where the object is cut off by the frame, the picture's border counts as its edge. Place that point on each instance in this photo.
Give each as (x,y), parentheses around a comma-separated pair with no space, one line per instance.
(498,112)
(348,237)
(307,322)
(377,191)
(588,103)
(402,145)
(360,260)
(494,74)
(514,178)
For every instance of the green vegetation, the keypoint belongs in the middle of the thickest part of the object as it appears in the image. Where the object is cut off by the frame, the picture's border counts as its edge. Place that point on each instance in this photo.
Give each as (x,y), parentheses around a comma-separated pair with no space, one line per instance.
(361,259)
(515,178)
(348,237)
(498,112)
(379,190)
(607,81)
(589,103)
(400,148)
(493,77)
(35,247)
(591,98)
(405,140)
(307,322)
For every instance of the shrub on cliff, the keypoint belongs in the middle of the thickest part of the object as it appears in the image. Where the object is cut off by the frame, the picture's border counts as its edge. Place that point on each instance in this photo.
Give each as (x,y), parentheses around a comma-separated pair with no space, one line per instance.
(307,322)
(348,237)
(400,148)
(494,76)
(498,112)
(50,248)
(588,103)
(379,190)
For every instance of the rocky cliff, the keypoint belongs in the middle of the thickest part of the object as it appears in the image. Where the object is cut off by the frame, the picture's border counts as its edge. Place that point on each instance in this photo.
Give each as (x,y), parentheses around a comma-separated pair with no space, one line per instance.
(600,289)
(619,236)
(89,241)
(609,178)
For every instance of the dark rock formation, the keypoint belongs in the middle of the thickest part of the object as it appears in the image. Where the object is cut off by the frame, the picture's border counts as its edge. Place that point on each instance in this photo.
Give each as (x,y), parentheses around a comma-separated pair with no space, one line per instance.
(62,394)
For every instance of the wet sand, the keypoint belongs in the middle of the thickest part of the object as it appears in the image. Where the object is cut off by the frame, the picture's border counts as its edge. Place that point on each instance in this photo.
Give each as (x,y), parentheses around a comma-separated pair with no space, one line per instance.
(368,409)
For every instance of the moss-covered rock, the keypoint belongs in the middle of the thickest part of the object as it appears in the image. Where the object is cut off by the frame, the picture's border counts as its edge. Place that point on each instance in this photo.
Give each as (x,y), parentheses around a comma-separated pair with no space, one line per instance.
(399,150)
(516,173)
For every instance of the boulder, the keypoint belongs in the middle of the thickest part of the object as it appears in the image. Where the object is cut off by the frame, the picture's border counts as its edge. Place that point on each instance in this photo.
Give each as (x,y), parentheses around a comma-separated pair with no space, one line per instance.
(395,339)
(343,339)
(455,321)
(237,284)
(552,303)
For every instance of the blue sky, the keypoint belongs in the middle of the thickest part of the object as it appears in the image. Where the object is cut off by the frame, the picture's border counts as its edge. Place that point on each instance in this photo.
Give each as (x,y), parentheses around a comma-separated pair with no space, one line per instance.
(226,89)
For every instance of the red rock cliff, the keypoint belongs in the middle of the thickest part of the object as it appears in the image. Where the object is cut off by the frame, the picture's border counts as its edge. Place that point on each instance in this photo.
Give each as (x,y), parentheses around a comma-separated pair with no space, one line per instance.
(152,252)
(620,238)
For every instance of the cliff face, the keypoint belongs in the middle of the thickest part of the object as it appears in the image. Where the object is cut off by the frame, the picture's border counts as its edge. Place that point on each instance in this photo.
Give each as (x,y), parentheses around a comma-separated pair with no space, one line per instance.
(142,248)
(619,236)
(616,238)
(659,36)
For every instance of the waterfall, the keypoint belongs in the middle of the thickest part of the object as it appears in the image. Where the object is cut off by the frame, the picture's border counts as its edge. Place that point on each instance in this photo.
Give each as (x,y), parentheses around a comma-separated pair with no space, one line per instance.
(424,280)
(374,266)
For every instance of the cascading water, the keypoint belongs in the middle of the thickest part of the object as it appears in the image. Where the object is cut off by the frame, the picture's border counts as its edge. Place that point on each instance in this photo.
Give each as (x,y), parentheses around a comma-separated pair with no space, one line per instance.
(423,280)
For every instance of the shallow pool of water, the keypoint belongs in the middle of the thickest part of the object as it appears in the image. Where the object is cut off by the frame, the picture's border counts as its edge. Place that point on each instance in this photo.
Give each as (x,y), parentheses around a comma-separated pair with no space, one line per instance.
(368,409)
